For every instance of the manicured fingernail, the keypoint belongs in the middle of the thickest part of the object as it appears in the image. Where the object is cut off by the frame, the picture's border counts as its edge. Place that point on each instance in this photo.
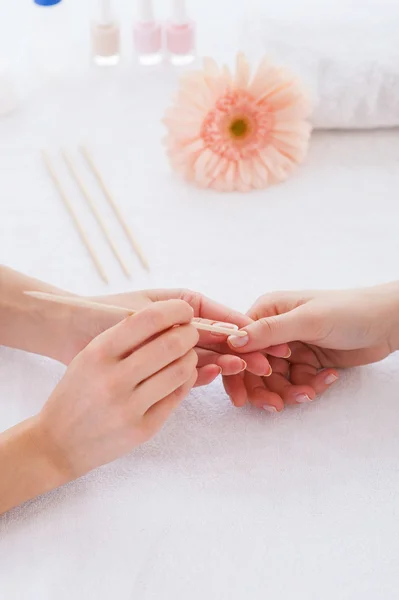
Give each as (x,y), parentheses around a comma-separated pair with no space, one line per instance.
(220,370)
(269,372)
(226,326)
(302,398)
(288,353)
(244,366)
(270,409)
(331,378)
(238,342)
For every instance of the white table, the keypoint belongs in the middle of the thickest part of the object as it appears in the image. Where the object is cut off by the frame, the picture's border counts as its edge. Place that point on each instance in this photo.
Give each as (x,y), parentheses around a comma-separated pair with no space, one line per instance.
(224,503)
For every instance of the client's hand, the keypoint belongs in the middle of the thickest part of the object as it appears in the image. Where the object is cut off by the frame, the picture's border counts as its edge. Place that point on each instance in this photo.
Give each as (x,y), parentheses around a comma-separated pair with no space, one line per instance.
(325,330)
(214,355)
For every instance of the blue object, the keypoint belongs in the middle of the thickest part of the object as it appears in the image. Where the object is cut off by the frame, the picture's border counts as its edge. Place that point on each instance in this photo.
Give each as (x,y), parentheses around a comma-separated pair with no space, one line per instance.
(46,2)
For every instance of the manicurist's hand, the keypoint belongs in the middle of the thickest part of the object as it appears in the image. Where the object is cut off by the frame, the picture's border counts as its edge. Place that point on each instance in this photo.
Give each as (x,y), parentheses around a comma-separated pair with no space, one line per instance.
(116,394)
(325,330)
(214,355)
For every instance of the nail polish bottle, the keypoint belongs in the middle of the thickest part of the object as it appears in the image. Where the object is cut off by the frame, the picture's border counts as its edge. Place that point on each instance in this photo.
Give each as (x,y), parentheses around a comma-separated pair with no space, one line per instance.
(147,35)
(180,35)
(105,36)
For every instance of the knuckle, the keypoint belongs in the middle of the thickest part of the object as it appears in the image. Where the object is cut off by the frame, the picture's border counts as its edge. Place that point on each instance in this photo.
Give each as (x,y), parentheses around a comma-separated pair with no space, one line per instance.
(192,298)
(155,317)
(184,309)
(269,324)
(174,343)
(193,357)
(96,351)
(185,367)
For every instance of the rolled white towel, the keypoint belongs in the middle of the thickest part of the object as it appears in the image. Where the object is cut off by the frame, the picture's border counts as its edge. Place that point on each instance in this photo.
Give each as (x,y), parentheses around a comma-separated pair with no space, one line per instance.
(347,53)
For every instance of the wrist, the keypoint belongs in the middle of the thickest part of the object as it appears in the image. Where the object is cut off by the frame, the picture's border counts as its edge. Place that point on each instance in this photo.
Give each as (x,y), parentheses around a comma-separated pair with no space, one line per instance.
(26,469)
(28,323)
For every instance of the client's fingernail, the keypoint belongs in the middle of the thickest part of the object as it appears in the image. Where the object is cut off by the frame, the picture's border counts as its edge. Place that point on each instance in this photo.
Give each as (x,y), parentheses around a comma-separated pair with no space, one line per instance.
(302,398)
(270,409)
(220,370)
(238,342)
(244,366)
(288,353)
(269,372)
(226,326)
(331,378)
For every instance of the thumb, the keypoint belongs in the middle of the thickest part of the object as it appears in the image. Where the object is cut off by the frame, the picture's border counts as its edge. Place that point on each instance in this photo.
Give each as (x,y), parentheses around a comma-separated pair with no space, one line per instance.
(297,324)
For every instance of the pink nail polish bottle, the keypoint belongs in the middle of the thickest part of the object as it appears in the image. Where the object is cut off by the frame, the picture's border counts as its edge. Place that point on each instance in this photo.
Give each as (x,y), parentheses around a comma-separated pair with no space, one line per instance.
(147,35)
(180,35)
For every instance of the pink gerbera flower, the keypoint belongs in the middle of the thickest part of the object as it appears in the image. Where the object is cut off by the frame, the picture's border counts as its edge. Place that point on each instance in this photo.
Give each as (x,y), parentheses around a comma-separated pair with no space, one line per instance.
(234,133)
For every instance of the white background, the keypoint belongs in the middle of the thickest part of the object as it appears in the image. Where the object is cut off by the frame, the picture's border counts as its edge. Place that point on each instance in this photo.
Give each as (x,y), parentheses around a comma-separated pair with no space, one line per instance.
(224,503)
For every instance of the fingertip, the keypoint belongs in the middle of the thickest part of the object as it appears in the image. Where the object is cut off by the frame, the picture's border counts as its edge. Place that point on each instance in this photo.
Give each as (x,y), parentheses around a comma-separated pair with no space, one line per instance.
(238,342)
(207,374)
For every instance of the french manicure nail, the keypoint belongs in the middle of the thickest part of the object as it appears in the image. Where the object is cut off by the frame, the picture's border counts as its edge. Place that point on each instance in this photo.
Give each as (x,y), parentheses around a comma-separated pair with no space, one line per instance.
(270,409)
(226,326)
(302,398)
(220,370)
(270,371)
(238,342)
(288,353)
(331,378)
(244,365)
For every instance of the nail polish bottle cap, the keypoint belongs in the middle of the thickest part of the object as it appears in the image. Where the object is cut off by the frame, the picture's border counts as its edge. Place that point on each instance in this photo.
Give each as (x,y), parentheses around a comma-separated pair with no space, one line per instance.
(46,2)
(145,11)
(105,16)
(179,12)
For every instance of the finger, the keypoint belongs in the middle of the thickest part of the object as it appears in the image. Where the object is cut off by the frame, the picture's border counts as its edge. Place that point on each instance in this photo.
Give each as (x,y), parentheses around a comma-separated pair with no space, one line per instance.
(290,394)
(320,381)
(203,306)
(123,338)
(260,396)
(298,324)
(277,303)
(303,354)
(157,415)
(280,351)
(281,366)
(230,364)
(165,382)
(257,363)
(207,374)
(235,388)
(160,352)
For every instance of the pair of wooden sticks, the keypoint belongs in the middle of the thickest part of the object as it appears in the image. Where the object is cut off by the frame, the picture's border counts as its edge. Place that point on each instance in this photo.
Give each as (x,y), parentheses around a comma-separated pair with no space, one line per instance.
(95,211)
(203,325)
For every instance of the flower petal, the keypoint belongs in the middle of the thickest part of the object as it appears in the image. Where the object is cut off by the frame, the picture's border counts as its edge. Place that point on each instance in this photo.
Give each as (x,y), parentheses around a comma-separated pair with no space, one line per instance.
(210,67)
(243,72)
(244,171)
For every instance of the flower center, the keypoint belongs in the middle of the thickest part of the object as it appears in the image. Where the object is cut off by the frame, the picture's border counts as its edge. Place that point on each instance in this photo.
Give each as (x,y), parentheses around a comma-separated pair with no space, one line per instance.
(239,128)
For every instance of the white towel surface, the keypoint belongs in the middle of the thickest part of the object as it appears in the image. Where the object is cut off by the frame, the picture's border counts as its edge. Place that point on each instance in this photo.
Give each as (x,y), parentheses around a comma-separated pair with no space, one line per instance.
(345,52)
(224,503)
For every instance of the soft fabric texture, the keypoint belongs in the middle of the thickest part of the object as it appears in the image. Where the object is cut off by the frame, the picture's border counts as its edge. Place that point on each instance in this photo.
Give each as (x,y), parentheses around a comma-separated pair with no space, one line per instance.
(225,503)
(345,52)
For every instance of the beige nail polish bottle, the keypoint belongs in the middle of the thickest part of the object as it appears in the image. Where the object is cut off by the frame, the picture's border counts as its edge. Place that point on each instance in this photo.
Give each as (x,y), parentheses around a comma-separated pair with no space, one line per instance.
(105,36)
